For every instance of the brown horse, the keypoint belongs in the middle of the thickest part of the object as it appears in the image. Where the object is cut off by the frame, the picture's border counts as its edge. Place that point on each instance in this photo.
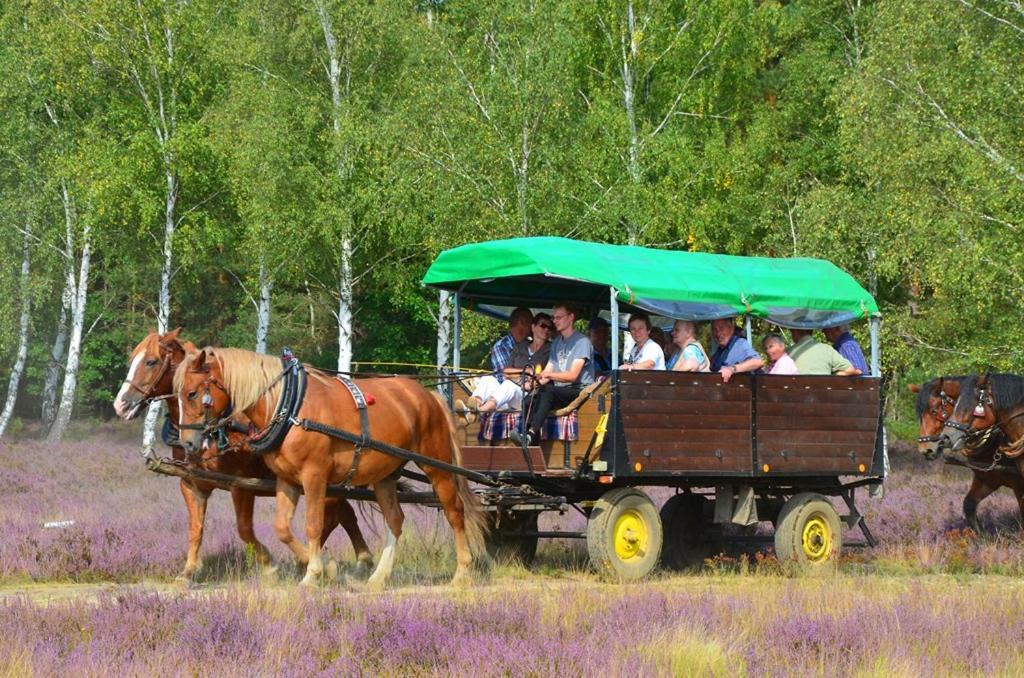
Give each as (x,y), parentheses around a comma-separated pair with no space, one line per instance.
(400,413)
(935,402)
(150,378)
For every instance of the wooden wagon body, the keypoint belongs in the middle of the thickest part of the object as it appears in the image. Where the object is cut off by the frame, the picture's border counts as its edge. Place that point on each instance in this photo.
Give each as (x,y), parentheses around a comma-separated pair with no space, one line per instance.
(778,444)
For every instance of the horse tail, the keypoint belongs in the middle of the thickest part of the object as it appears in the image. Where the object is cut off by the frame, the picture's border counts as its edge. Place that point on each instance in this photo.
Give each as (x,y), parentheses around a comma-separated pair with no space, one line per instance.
(475,518)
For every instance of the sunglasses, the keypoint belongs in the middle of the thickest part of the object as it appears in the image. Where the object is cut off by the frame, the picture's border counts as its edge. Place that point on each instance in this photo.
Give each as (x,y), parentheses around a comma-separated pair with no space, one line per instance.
(546,326)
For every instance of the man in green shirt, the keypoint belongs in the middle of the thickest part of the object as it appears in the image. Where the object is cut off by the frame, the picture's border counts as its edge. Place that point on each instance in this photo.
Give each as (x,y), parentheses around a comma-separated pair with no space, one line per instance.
(814,357)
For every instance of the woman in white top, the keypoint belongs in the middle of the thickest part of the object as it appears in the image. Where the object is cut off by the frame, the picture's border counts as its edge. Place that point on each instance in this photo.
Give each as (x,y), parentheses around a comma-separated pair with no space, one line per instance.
(689,356)
(775,347)
(646,353)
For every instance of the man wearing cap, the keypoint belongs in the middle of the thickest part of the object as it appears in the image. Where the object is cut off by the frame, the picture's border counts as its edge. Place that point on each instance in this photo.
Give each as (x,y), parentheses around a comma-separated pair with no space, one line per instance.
(599,331)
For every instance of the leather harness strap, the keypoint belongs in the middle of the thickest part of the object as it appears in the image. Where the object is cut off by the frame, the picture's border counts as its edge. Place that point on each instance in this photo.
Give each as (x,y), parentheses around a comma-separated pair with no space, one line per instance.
(364,425)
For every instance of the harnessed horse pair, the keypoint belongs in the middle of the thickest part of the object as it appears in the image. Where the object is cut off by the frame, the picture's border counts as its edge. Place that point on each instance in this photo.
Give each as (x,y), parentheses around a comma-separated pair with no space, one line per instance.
(151,368)
(303,423)
(983,449)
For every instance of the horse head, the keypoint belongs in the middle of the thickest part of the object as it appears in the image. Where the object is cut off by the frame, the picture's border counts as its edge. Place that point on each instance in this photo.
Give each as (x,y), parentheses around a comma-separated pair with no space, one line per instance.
(935,403)
(202,398)
(151,368)
(973,415)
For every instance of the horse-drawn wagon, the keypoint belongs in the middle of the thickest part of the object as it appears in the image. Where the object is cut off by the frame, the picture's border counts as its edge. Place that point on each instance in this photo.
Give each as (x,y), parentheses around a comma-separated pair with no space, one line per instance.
(780,445)
(772,448)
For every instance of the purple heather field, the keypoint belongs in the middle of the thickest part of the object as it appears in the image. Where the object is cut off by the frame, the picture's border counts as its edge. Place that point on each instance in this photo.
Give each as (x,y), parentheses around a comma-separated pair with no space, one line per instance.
(94,597)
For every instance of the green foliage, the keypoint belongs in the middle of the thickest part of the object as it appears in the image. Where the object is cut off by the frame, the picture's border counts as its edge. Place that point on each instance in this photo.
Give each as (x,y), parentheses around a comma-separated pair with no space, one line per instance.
(882,136)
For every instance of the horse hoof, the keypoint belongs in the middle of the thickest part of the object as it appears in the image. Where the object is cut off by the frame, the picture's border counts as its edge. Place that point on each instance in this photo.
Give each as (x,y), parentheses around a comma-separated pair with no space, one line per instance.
(375,585)
(331,571)
(312,579)
(184,581)
(363,568)
(462,580)
(269,573)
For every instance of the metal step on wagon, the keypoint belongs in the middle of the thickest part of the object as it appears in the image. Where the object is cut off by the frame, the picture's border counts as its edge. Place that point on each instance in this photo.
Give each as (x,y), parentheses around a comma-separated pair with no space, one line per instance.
(772,448)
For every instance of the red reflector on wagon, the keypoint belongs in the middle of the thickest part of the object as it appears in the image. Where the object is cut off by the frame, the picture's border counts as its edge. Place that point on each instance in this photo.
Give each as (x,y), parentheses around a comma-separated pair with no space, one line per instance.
(605,480)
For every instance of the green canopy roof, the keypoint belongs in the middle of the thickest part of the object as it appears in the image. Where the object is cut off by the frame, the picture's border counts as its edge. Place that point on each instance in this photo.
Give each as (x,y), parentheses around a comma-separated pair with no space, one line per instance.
(806,293)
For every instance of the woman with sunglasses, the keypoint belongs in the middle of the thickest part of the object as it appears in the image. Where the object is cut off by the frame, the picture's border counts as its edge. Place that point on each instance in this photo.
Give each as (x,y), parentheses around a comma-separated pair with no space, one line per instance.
(505,391)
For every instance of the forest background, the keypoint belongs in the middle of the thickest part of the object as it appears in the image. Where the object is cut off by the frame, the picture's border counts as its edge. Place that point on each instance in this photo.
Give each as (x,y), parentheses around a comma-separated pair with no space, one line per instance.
(269,173)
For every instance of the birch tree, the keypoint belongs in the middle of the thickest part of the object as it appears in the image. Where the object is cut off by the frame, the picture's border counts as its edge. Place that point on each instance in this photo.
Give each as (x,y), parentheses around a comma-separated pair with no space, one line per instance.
(361,57)
(23,332)
(153,52)
(654,97)
(499,142)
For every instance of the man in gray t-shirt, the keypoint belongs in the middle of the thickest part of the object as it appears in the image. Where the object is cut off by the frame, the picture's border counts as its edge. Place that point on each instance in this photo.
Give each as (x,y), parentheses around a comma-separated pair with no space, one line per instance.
(570,368)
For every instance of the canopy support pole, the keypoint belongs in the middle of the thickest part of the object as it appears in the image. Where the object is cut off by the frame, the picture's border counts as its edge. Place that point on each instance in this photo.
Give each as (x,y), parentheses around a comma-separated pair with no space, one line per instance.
(749,327)
(457,334)
(613,306)
(876,367)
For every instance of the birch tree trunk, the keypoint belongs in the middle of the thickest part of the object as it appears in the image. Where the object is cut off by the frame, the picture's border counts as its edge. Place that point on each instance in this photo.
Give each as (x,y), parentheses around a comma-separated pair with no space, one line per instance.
(67,398)
(629,56)
(163,313)
(60,341)
(343,175)
(19,363)
(344,314)
(444,335)
(263,308)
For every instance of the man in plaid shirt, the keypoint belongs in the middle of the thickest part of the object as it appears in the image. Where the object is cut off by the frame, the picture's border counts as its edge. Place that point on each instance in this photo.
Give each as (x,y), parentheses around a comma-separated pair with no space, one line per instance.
(518,329)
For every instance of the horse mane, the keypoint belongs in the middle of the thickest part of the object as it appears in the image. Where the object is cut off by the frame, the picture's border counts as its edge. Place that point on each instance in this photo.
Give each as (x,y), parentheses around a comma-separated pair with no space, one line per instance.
(1007,390)
(247,375)
(925,394)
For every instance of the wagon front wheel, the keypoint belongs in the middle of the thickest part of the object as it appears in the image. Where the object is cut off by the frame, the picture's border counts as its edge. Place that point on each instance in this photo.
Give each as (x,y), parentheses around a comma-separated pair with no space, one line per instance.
(808,532)
(509,539)
(624,534)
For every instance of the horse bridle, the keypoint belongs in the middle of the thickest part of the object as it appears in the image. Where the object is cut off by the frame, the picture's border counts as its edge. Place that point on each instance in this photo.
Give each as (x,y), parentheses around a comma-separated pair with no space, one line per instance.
(210,422)
(147,394)
(939,412)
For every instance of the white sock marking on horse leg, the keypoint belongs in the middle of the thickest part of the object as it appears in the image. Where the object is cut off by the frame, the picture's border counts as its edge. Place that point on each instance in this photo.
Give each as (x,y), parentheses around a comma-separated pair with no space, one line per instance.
(386,564)
(121,411)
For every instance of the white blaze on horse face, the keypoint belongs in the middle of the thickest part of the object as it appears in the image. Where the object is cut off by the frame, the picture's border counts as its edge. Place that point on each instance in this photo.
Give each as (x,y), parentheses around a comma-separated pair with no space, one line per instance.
(119,407)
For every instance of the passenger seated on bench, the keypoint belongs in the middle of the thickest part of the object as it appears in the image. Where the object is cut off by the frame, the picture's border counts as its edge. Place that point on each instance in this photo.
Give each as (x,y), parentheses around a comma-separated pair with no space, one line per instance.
(529,354)
(689,356)
(814,357)
(734,353)
(518,329)
(775,348)
(598,331)
(569,370)
(647,354)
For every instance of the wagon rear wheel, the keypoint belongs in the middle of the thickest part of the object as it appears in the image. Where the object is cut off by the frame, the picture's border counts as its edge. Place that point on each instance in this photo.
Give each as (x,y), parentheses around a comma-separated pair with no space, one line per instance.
(506,541)
(624,534)
(690,535)
(808,532)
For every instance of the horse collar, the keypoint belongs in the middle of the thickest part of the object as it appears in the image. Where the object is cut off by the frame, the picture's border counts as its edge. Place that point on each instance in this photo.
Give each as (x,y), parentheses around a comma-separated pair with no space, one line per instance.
(293,392)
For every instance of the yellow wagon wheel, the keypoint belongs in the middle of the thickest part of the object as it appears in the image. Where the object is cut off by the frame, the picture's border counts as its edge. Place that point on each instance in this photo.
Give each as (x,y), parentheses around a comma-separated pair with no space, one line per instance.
(808,532)
(624,534)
